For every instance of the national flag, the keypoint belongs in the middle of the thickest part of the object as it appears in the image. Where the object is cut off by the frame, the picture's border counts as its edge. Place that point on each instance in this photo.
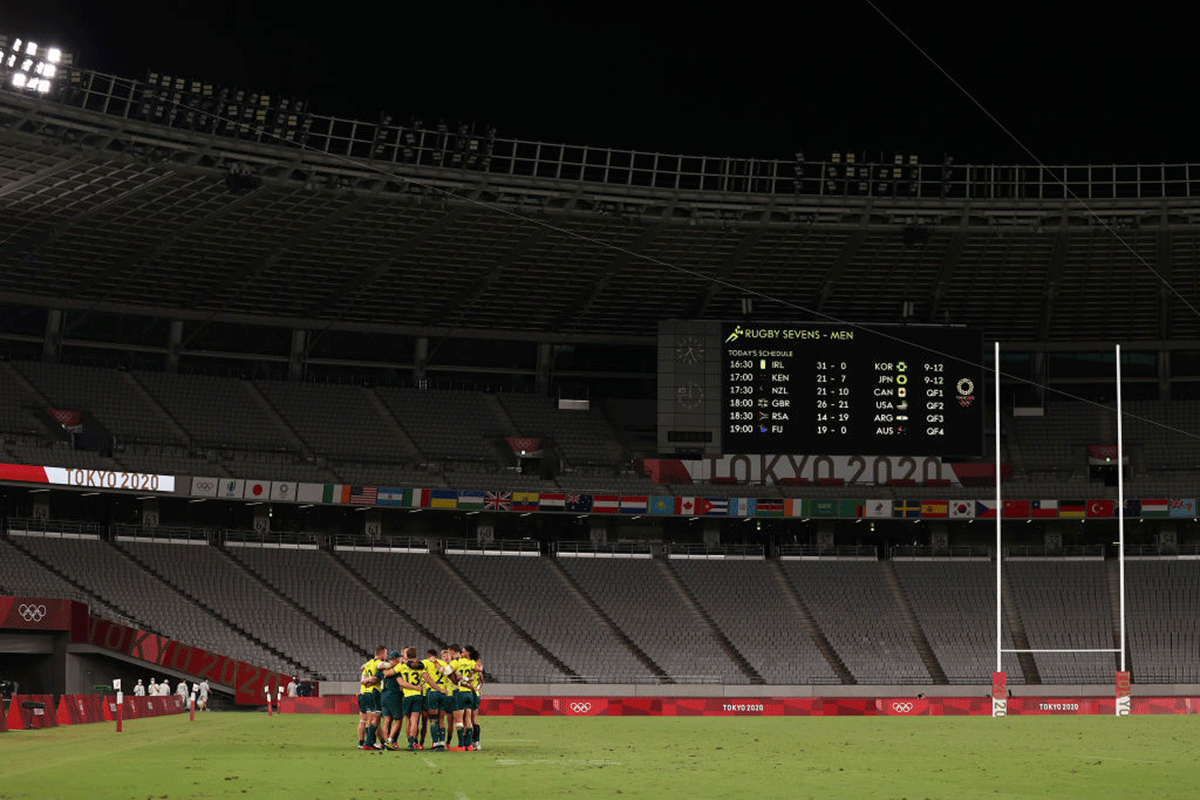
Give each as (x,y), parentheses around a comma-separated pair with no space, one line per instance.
(310,492)
(389,496)
(935,509)
(579,503)
(1158,507)
(257,490)
(332,493)
(850,509)
(877,509)
(822,508)
(1040,509)
(497,501)
(1100,508)
(1132,507)
(770,507)
(284,490)
(633,504)
(714,506)
(1072,509)
(606,503)
(791,507)
(742,506)
(662,505)
(362,495)
(525,501)
(1016,509)
(685,506)
(470,499)
(443,498)
(1185,507)
(552,501)
(985,509)
(906,509)
(962,509)
(416,498)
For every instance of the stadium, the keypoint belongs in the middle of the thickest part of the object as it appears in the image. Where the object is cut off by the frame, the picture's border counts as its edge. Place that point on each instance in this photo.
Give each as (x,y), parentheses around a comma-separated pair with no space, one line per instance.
(276,385)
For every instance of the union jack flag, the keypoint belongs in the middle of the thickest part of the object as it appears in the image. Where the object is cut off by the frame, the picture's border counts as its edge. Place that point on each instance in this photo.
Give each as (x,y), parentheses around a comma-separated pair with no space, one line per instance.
(498,501)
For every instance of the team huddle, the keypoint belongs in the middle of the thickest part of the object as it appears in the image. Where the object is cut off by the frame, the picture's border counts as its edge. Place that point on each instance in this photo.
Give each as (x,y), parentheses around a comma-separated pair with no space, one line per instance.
(428,695)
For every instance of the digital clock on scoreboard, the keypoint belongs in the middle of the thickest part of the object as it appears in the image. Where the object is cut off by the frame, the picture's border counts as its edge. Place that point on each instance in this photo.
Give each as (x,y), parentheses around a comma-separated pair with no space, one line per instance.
(849,389)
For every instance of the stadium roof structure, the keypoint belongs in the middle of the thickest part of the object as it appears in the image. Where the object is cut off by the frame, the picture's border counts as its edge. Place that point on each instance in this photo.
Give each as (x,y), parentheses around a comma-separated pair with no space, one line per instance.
(171,198)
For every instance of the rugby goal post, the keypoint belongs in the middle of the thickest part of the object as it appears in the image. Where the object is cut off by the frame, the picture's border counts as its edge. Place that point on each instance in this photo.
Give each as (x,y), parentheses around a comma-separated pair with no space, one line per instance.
(1123,704)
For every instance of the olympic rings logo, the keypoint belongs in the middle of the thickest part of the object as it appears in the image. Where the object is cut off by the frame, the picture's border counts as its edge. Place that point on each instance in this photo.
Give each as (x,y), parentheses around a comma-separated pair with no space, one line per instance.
(903,708)
(581,708)
(32,613)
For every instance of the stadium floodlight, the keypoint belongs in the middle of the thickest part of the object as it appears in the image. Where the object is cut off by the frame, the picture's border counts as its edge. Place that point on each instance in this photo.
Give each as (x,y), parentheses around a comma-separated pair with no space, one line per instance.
(30,67)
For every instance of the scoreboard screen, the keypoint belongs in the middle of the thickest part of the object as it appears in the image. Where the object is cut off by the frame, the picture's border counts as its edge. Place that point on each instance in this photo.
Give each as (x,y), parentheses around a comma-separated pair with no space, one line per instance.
(848,389)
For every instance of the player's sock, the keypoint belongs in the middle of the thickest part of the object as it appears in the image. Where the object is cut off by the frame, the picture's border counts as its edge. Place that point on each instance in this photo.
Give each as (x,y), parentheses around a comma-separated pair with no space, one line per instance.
(370,735)
(475,731)
(412,740)
(467,740)
(458,731)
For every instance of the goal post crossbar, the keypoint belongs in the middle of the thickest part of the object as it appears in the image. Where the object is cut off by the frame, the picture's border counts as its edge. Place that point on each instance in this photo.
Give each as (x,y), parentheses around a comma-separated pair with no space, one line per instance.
(1069,650)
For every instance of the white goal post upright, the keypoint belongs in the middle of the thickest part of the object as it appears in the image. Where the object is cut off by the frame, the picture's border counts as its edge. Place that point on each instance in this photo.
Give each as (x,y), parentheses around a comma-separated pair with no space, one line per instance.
(1123,705)
(999,679)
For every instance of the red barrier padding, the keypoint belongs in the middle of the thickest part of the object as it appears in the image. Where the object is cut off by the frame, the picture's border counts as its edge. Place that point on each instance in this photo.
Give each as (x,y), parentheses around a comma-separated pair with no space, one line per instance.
(20,718)
(576,706)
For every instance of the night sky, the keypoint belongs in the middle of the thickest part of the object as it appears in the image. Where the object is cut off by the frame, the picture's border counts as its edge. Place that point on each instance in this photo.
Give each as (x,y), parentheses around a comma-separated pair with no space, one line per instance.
(738,79)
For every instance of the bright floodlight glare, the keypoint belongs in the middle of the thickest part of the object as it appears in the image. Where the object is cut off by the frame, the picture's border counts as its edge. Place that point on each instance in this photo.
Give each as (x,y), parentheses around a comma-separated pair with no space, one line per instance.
(11,60)
(43,86)
(18,80)
(48,70)
(54,55)
(17,45)
(31,49)
(27,65)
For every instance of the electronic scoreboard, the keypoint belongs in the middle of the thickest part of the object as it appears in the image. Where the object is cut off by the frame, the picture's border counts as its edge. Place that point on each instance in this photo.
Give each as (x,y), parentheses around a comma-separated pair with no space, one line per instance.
(820,389)
(836,389)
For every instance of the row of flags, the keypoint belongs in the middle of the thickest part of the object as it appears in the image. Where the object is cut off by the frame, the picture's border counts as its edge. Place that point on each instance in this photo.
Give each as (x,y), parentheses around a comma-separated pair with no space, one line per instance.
(833,508)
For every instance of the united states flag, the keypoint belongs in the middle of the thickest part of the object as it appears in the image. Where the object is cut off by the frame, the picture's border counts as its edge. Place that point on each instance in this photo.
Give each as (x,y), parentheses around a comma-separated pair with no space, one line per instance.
(363,495)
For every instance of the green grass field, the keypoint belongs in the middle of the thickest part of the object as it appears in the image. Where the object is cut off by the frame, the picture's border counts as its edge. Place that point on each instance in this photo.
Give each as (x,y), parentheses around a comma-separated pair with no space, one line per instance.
(313,756)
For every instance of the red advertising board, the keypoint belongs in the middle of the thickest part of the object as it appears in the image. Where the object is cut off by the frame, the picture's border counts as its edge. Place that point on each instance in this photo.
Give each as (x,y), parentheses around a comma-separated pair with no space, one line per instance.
(246,679)
(532,706)
(38,613)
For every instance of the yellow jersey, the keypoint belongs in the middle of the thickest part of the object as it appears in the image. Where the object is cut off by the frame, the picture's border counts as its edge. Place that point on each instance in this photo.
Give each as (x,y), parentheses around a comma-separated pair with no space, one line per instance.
(465,668)
(371,669)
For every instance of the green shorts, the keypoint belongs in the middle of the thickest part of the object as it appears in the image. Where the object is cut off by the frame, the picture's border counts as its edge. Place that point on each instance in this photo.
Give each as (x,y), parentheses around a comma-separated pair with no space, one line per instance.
(436,701)
(368,703)
(391,704)
(462,700)
(414,704)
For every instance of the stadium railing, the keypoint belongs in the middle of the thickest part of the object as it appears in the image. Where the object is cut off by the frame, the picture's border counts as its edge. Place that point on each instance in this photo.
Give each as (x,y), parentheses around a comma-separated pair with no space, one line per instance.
(854,551)
(63,528)
(1066,551)
(463,151)
(625,549)
(926,551)
(279,539)
(165,532)
(499,546)
(691,550)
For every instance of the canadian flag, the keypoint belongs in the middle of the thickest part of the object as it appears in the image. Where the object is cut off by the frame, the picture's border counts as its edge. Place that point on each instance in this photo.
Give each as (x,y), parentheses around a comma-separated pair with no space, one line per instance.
(685,505)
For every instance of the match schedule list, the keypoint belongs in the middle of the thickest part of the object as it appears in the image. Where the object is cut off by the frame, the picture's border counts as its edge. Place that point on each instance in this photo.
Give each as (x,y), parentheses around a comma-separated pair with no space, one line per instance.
(821,389)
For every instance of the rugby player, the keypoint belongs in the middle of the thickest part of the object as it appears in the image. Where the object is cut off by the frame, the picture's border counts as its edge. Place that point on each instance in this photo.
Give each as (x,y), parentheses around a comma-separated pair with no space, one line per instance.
(389,701)
(368,700)
(477,688)
(462,669)
(414,681)
(439,702)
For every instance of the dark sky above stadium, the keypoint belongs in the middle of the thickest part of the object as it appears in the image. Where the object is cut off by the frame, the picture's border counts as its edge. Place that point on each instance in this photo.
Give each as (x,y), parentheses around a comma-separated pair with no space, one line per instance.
(1075,83)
